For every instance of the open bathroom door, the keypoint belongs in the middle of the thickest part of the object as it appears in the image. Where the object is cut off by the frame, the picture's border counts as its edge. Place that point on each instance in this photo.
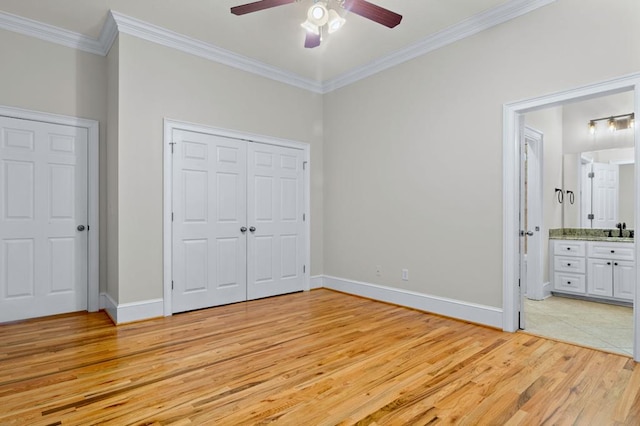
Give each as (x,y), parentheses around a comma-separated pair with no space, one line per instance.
(524,232)
(534,243)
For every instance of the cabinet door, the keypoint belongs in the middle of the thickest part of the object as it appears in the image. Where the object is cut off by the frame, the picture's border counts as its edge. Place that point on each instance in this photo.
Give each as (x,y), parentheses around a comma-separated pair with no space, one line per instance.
(624,281)
(600,277)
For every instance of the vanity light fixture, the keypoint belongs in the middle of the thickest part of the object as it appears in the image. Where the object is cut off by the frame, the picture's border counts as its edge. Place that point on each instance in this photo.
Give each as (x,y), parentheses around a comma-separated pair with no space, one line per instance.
(614,122)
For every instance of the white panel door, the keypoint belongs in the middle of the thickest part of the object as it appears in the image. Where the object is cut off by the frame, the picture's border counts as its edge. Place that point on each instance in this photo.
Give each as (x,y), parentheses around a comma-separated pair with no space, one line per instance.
(605,195)
(209,210)
(275,220)
(43,200)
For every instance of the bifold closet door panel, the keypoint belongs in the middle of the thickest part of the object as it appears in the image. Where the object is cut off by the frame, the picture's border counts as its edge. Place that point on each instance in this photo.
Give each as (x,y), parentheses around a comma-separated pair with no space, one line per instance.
(209,211)
(275,219)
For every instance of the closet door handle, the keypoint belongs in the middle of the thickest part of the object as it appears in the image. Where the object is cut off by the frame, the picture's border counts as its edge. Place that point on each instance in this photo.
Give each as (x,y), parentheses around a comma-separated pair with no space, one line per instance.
(252,229)
(243,229)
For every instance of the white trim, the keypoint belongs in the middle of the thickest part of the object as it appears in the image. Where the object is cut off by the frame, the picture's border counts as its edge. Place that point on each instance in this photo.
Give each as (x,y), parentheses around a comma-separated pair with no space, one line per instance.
(168,38)
(130,312)
(317,281)
(479,314)
(46,32)
(93,188)
(117,22)
(511,205)
(110,307)
(466,28)
(169,126)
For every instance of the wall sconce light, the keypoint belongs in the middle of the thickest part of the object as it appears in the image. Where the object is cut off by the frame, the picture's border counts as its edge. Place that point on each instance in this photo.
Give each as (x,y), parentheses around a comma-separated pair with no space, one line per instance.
(614,122)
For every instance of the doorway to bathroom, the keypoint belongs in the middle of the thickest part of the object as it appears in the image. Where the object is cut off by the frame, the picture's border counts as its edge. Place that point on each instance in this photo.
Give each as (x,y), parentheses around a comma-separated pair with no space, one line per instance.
(580,279)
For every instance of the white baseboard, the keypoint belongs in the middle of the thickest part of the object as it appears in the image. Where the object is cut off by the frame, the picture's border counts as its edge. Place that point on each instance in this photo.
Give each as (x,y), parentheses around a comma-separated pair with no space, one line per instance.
(479,314)
(546,290)
(316,282)
(129,312)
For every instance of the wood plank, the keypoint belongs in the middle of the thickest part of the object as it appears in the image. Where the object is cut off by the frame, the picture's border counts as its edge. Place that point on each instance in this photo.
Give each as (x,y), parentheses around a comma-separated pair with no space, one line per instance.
(319,357)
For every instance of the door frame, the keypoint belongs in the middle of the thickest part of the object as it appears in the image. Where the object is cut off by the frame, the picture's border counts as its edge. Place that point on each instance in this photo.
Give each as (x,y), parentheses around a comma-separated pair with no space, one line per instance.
(93,188)
(167,249)
(511,192)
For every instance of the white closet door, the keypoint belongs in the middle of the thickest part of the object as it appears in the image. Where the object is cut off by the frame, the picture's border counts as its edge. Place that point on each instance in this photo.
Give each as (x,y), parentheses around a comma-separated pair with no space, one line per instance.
(209,207)
(43,200)
(275,199)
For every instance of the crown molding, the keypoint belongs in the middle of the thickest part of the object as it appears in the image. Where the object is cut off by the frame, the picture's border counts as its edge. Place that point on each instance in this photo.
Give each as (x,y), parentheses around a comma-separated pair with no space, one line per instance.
(119,23)
(470,26)
(47,32)
(164,37)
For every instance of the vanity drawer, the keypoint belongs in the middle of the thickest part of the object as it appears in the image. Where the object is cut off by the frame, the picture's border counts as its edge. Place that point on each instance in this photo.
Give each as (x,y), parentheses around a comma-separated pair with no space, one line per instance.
(573,283)
(569,264)
(619,251)
(569,248)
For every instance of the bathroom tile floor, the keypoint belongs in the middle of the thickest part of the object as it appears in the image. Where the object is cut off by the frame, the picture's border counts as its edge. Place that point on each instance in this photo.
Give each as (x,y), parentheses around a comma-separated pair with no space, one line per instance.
(596,325)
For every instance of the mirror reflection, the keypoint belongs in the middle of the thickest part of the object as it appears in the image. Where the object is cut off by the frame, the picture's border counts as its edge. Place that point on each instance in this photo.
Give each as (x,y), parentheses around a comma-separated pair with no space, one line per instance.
(603,194)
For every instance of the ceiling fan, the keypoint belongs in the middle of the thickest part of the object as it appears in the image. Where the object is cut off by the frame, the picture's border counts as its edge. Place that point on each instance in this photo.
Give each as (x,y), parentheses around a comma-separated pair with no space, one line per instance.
(321,15)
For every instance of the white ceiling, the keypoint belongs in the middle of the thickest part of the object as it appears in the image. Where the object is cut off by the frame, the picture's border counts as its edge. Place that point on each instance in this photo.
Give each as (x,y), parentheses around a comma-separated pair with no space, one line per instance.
(272,36)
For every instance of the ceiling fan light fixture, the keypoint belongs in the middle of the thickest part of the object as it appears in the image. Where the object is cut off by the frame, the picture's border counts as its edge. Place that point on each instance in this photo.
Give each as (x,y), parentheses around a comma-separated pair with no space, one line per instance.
(310,27)
(318,14)
(335,21)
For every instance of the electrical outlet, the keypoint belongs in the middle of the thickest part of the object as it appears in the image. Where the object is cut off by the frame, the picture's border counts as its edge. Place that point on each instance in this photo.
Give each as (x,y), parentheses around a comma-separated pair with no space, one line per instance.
(405,275)
(378,270)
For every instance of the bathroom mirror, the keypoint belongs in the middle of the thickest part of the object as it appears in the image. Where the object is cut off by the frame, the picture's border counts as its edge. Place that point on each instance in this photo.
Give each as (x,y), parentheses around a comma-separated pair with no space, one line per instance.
(601,188)
(608,153)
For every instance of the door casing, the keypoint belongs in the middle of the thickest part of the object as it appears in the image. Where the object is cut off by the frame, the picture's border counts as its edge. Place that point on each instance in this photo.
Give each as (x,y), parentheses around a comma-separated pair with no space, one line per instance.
(169,126)
(511,191)
(93,189)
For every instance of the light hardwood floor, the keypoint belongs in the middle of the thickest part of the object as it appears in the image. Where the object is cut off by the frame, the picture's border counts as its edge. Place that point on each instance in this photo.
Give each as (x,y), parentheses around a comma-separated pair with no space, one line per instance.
(314,358)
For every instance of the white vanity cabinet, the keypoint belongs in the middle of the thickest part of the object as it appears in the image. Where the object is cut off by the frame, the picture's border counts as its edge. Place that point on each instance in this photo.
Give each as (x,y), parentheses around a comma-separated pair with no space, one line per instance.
(569,266)
(597,269)
(610,270)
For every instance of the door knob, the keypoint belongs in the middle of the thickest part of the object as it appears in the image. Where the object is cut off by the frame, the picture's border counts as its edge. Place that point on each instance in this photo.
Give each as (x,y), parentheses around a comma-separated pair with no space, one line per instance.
(80,228)
(243,229)
(252,229)
(530,233)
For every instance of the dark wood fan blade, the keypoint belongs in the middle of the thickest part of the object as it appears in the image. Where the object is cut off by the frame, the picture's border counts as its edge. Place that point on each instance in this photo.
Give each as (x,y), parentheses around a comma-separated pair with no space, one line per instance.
(312,40)
(258,5)
(375,13)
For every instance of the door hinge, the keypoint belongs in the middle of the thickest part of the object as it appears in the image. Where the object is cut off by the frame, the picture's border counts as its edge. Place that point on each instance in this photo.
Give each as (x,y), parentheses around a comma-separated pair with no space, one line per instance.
(304,165)
(518,282)
(172,144)
(171,216)
(171,284)
(591,175)
(304,217)
(304,269)
(88,228)
(591,216)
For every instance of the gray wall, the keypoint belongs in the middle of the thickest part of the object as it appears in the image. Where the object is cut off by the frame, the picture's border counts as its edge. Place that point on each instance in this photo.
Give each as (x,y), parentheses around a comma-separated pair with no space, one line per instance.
(413,155)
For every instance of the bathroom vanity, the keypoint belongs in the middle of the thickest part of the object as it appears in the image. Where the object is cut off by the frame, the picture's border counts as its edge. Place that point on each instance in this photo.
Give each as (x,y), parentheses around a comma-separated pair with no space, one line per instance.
(593,266)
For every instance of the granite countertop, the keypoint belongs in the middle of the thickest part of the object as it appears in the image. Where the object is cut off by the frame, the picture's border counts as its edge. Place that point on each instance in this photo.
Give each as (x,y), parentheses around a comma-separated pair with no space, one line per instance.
(590,235)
